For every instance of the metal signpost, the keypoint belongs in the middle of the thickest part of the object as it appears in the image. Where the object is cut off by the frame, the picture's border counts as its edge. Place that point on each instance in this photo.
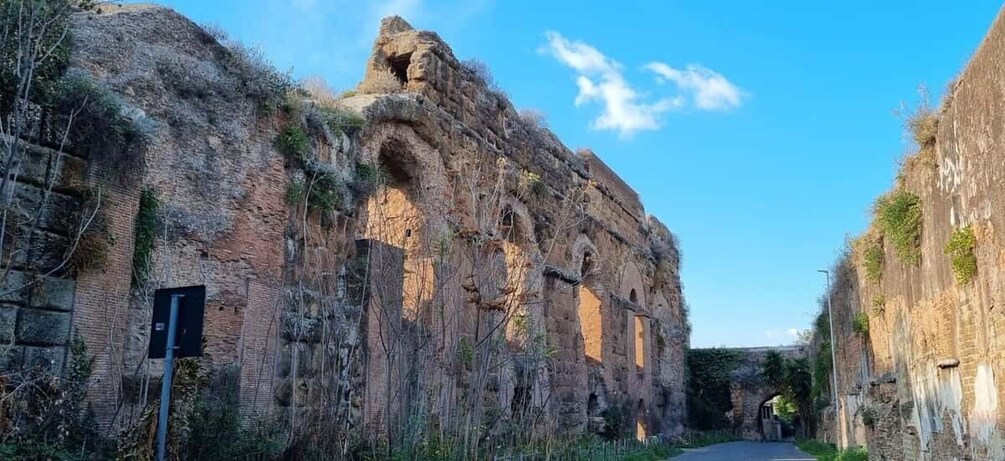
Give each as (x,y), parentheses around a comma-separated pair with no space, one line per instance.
(175,332)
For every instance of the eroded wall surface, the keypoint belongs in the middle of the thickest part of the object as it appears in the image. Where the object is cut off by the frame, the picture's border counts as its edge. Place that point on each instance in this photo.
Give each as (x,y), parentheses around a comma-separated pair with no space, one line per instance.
(925,382)
(524,277)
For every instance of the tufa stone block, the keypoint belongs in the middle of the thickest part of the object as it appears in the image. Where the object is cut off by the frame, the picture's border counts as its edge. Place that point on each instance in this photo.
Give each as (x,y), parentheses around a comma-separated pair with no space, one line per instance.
(43,327)
(8,321)
(49,359)
(12,286)
(11,357)
(53,293)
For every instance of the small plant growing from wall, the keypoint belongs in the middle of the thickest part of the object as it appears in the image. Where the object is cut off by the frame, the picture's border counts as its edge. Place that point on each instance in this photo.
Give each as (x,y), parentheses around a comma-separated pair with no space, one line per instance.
(868,416)
(860,324)
(872,258)
(879,303)
(899,217)
(292,142)
(146,232)
(961,248)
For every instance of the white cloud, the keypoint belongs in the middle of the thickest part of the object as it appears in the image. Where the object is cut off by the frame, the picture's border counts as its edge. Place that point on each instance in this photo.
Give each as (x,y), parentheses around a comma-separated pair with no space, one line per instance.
(601,80)
(708,89)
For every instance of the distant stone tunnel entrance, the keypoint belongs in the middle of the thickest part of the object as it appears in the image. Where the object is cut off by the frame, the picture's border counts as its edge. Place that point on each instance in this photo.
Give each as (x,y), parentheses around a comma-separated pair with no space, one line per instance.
(726,391)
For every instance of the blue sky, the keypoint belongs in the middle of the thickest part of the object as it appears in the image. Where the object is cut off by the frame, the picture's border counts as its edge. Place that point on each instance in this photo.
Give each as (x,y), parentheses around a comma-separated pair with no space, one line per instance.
(759,132)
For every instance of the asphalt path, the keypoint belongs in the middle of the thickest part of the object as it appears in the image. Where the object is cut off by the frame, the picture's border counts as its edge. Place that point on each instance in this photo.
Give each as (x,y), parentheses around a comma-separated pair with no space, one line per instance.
(745,451)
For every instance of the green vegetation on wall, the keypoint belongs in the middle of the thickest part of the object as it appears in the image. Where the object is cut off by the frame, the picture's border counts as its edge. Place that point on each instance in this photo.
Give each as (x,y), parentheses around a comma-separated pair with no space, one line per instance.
(873,257)
(708,393)
(292,142)
(860,324)
(822,361)
(899,217)
(146,232)
(961,248)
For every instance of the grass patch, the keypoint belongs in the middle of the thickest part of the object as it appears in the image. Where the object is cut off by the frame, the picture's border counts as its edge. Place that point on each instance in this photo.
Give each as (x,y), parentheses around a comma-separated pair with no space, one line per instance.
(829,452)
(961,250)
(872,258)
(146,232)
(860,324)
(899,217)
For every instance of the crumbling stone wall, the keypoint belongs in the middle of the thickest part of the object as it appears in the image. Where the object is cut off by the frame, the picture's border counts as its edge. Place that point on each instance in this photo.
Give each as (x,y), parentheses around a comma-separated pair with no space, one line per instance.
(934,343)
(493,221)
(36,299)
(631,259)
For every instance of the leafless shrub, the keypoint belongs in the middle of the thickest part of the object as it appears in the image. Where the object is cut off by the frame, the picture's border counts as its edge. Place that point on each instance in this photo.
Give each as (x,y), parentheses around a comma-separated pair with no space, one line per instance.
(534,118)
(320,92)
(383,82)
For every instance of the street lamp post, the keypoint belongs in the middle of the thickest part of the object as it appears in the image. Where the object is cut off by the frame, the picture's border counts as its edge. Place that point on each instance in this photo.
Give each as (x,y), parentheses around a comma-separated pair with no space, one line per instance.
(830,317)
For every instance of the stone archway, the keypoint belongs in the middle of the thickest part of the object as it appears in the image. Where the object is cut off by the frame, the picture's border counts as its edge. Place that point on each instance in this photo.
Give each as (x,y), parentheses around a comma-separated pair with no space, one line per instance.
(748,391)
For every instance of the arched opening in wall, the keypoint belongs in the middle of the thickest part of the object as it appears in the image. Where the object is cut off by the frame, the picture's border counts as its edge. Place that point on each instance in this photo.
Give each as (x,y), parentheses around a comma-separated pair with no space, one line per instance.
(592,405)
(394,216)
(398,65)
(590,319)
(641,425)
(517,248)
(640,344)
(633,297)
(778,418)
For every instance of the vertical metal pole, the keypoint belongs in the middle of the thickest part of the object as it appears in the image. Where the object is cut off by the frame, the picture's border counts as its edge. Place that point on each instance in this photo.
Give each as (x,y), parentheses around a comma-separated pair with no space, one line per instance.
(162,419)
(834,390)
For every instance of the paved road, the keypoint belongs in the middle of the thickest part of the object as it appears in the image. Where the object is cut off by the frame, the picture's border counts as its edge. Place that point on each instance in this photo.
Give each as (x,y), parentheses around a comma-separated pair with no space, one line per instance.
(745,451)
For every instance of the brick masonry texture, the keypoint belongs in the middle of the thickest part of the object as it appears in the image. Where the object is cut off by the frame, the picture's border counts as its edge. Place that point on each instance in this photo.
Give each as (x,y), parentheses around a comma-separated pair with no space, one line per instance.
(930,370)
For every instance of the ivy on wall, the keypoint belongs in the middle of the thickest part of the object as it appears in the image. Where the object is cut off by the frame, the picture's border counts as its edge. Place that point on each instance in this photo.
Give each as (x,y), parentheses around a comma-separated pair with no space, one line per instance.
(708,394)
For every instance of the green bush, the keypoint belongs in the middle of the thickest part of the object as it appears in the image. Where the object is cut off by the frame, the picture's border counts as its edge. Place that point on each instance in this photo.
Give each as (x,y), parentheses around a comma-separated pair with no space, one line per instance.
(873,260)
(899,216)
(293,143)
(322,192)
(42,415)
(860,324)
(345,121)
(217,431)
(961,248)
(146,233)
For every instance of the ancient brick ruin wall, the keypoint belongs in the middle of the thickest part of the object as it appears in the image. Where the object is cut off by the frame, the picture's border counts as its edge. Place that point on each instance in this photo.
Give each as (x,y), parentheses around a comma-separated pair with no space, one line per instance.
(935,362)
(626,275)
(283,300)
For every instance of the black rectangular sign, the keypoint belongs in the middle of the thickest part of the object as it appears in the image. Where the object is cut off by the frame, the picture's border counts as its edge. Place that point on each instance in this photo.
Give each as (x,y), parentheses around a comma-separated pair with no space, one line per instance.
(188,334)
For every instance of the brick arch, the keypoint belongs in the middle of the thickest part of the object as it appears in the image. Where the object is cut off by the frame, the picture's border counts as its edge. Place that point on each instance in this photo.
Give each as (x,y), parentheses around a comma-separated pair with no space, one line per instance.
(416,170)
(631,281)
(522,223)
(586,265)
